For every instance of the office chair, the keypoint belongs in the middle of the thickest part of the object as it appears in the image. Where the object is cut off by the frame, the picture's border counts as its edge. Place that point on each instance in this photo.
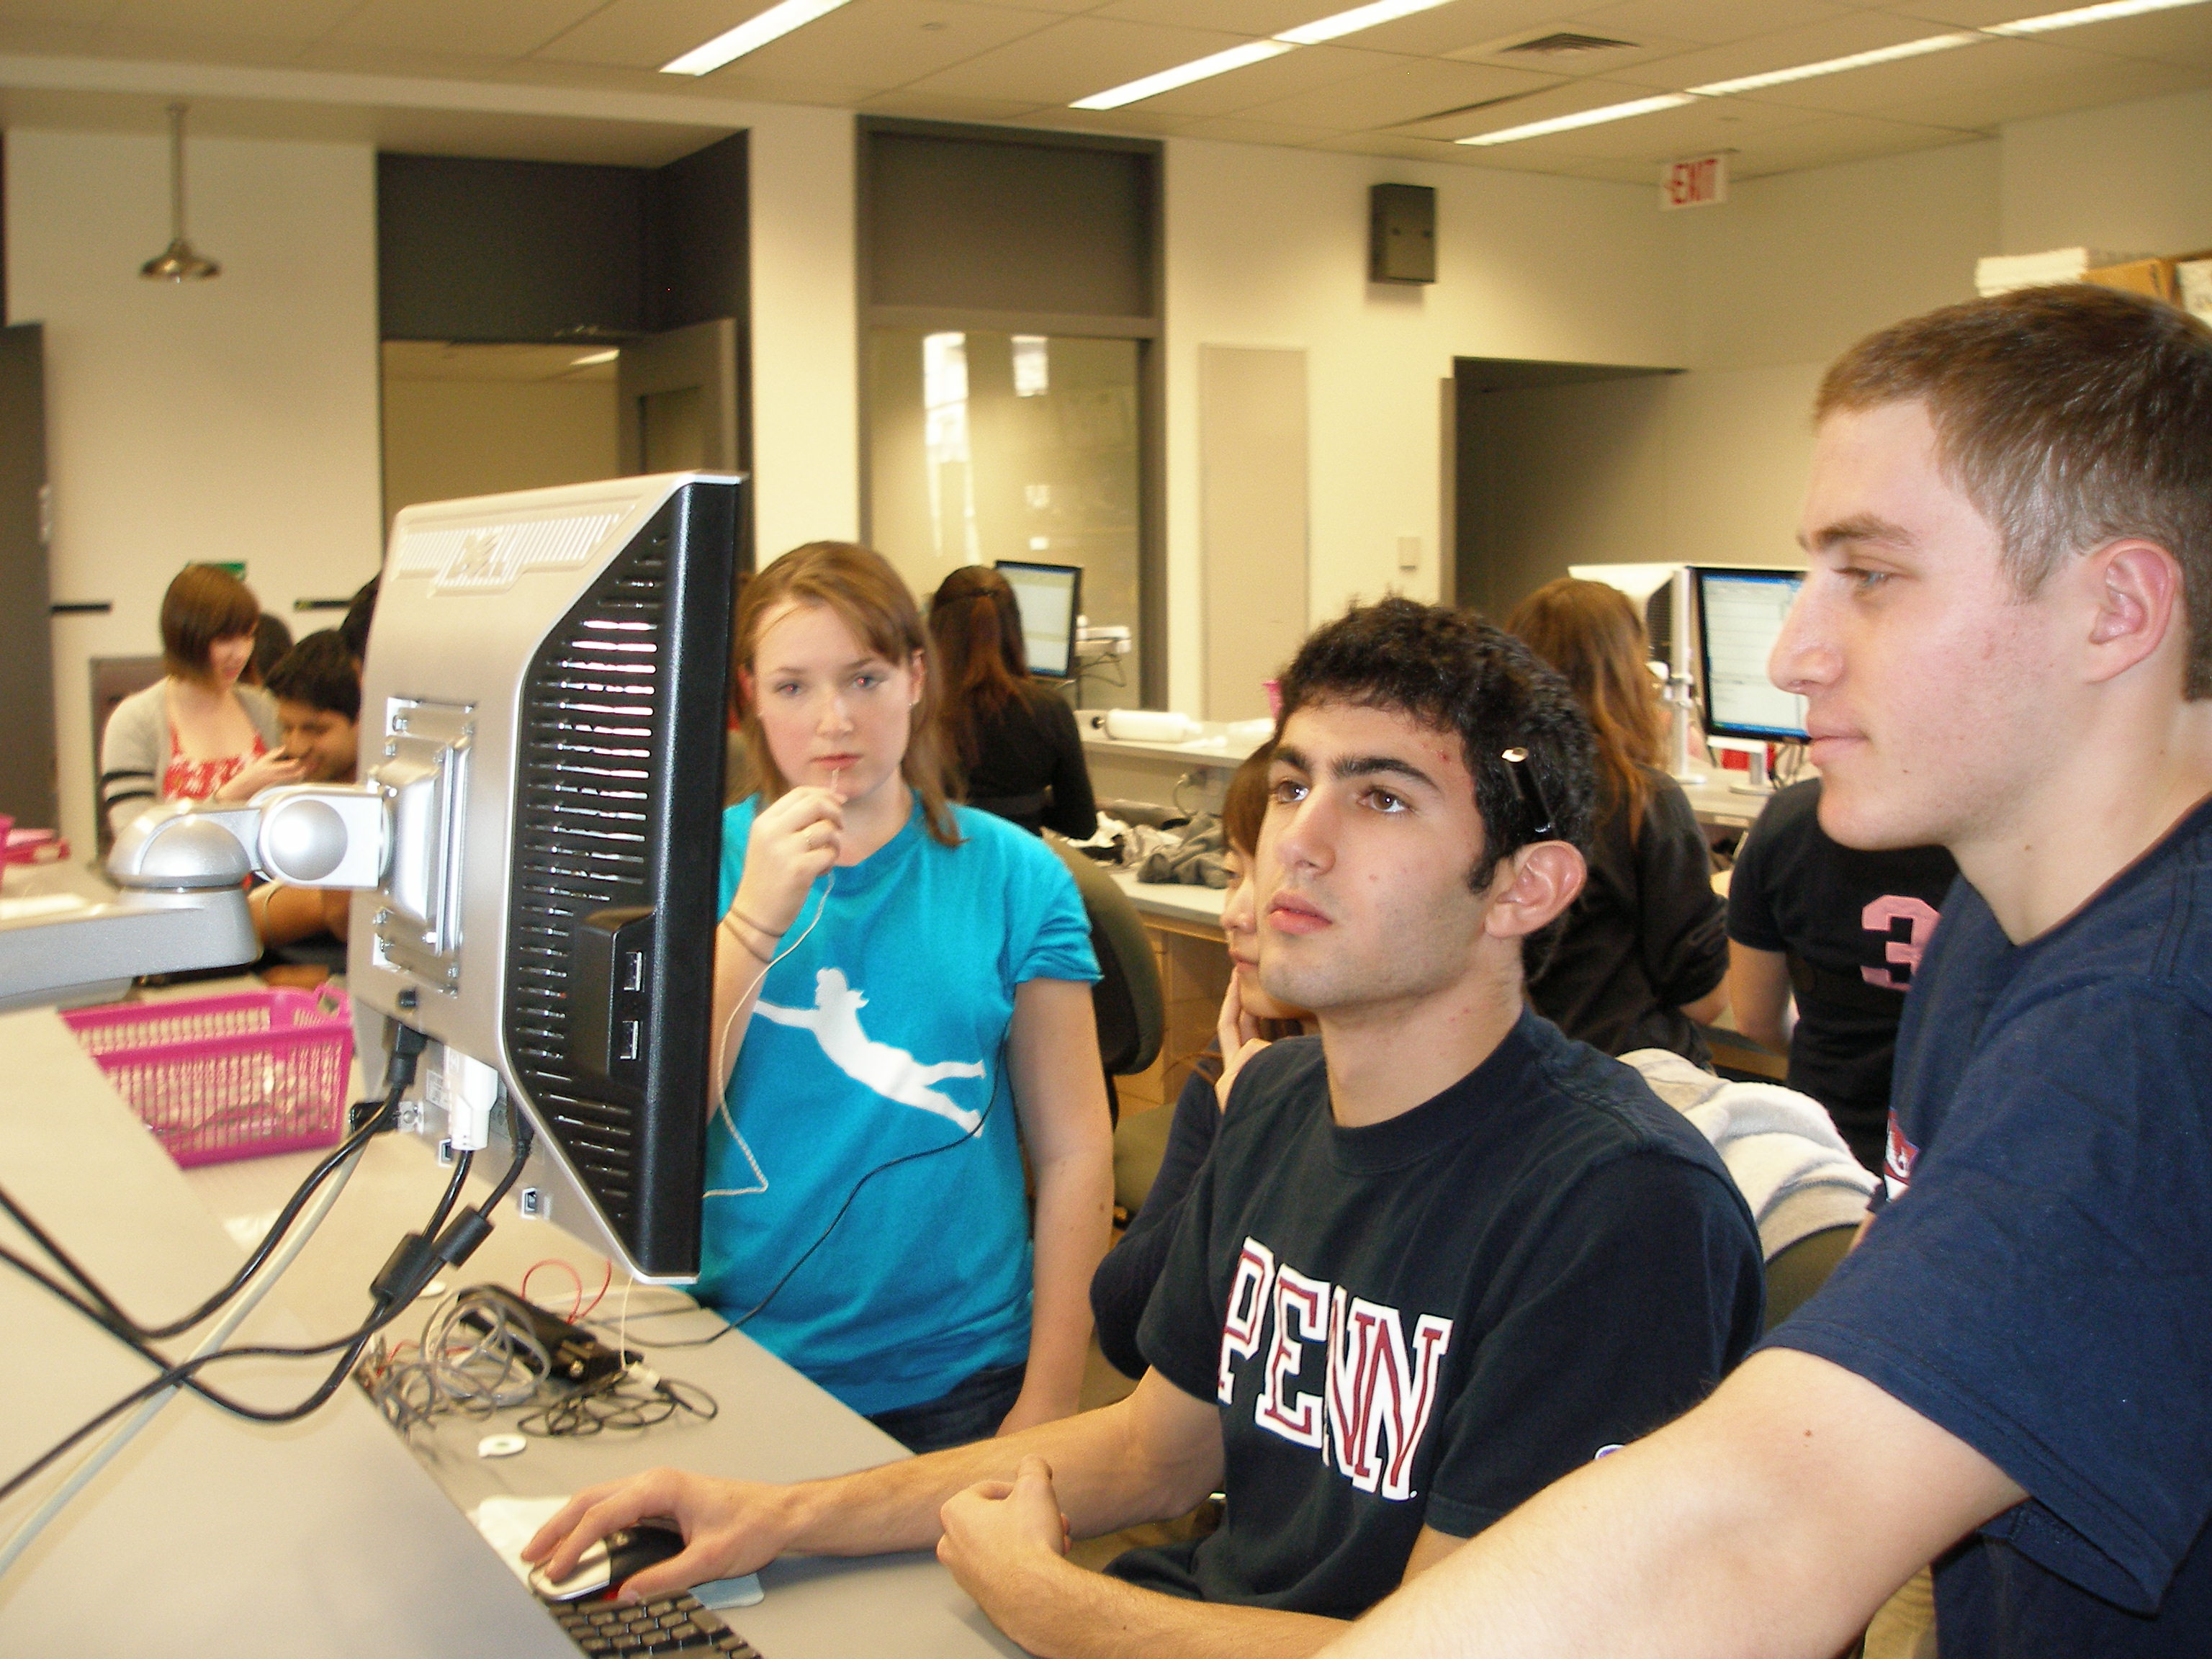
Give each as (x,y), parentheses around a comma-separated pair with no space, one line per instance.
(1126,1000)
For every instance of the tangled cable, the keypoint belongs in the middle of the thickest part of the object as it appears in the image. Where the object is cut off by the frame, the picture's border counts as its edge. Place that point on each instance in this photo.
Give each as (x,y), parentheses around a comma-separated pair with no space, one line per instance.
(476,1357)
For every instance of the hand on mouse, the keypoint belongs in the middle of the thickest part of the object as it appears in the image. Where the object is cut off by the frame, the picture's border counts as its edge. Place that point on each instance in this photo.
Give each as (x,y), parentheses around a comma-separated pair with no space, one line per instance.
(729,1527)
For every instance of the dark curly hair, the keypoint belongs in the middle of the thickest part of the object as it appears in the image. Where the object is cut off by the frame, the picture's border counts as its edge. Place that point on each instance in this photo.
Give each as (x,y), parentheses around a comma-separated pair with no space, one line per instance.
(1454,671)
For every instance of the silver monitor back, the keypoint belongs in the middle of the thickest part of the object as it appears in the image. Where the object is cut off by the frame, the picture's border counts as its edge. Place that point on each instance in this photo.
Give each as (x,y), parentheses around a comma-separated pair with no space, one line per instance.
(544,706)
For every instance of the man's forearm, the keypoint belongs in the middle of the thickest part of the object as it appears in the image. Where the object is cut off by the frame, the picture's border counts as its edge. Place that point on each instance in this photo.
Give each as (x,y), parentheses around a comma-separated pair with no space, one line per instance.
(1106,1483)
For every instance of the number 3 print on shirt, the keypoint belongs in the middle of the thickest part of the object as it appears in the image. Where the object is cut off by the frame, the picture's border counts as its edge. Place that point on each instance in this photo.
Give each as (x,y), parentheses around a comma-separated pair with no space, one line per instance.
(1881,917)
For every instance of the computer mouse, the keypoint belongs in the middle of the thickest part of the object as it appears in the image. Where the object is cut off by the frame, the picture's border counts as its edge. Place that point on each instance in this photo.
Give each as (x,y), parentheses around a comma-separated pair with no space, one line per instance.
(606,1564)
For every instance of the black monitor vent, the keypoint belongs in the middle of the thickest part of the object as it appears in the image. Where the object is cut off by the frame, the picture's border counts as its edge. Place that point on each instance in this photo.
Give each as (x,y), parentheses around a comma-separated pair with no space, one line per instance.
(617,786)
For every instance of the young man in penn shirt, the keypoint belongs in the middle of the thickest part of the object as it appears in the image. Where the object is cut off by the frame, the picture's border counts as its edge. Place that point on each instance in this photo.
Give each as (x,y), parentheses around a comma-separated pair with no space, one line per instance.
(1440,1256)
(2005,639)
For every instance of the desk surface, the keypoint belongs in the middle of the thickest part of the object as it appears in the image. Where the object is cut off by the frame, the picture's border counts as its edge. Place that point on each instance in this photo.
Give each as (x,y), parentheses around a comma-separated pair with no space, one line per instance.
(1173,900)
(235,1538)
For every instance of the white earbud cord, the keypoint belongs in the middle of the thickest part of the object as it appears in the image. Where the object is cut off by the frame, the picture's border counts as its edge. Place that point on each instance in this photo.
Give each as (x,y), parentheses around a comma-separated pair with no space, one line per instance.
(722,1048)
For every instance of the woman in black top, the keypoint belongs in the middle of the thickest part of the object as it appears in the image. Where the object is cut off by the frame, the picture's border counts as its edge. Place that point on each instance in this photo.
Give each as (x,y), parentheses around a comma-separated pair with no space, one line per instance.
(1015,741)
(1641,958)
(1250,1019)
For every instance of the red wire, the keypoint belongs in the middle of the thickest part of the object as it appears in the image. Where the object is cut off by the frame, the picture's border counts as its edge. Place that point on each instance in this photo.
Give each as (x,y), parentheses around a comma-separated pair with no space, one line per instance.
(605,1279)
(567,1267)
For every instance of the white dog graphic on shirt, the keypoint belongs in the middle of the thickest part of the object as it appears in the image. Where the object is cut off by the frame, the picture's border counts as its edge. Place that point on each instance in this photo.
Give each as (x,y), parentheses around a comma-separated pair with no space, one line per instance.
(834,1019)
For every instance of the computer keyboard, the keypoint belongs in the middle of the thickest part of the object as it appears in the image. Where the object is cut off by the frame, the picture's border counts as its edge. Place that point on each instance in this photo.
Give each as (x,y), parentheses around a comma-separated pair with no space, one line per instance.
(677,1623)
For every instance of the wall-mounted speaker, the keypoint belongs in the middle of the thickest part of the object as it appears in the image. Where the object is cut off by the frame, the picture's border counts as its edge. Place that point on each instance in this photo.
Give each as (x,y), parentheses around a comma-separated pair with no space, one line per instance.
(1401,234)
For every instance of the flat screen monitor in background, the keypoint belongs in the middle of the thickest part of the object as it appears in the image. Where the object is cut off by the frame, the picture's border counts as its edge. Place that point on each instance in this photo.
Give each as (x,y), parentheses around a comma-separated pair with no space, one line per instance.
(1050,596)
(1740,615)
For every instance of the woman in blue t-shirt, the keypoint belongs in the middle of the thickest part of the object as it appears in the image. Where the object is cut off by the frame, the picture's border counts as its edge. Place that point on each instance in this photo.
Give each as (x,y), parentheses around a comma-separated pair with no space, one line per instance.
(900,986)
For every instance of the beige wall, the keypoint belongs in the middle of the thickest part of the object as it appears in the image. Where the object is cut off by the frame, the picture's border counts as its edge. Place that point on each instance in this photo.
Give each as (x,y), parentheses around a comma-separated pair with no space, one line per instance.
(229,420)
(1269,247)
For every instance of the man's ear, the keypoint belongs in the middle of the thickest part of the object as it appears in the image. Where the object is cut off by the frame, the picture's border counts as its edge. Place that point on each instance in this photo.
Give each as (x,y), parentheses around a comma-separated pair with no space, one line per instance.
(1532,887)
(2135,586)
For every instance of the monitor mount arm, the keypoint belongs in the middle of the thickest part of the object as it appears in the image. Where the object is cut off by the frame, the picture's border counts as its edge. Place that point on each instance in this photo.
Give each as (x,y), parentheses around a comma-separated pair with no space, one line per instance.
(182,867)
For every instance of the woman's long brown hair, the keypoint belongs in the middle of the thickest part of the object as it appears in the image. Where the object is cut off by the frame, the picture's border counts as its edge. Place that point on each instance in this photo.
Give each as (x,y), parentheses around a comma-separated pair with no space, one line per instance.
(1591,634)
(859,586)
(977,627)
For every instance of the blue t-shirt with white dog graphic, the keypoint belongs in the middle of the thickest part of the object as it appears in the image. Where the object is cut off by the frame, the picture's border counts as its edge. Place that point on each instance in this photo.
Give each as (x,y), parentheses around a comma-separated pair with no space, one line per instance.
(864,1184)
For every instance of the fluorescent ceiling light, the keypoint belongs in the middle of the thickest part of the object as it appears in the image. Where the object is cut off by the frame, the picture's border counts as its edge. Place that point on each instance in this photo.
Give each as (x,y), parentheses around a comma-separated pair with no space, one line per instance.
(591,357)
(2043,24)
(1919,48)
(1589,117)
(751,36)
(1220,63)
(2081,14)
(1350,22)
(1183,75)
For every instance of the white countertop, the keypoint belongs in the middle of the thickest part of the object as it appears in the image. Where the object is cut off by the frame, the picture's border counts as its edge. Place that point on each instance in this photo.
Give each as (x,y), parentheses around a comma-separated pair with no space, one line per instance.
(1172,899)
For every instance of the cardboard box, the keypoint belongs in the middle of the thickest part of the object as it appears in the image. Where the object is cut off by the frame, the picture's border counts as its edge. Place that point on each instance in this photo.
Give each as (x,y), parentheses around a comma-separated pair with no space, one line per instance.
(2151,277)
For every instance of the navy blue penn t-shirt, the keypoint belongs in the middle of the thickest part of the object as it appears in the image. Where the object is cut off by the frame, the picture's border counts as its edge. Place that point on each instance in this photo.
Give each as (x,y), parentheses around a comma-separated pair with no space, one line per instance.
(2038,1280)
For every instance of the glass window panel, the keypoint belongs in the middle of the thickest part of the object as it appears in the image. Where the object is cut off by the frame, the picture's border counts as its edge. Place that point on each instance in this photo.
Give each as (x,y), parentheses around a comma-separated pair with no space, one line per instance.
(990,447)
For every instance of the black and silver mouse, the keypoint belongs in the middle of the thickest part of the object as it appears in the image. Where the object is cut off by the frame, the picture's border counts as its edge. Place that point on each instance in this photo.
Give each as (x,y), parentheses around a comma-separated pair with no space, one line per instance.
(606,1564)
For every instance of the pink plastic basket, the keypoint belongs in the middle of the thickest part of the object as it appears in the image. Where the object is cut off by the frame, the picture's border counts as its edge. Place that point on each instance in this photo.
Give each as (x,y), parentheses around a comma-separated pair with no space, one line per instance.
(230,1077)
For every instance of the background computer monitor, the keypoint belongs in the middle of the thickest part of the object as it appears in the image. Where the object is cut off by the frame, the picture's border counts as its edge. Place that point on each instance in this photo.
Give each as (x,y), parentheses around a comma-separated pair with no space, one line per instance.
(1050,597)
(1740,615)
(544,700)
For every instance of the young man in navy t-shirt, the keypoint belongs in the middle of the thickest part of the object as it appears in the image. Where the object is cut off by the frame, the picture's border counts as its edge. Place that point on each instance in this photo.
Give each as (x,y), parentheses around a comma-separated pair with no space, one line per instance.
(1441,1254)
(2006,641)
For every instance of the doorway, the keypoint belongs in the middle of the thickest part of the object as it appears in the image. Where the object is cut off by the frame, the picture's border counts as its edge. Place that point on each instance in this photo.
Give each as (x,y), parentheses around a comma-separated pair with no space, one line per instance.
(1553,465)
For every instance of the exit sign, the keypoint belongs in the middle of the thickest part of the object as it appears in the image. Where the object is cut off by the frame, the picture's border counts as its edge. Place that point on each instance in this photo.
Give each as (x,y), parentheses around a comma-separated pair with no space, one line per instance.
(1699,182)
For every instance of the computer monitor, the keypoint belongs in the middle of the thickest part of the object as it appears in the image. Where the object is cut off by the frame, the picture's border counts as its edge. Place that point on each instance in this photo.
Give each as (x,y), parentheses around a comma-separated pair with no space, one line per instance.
(1740,615)
(1050,597)
(544,704)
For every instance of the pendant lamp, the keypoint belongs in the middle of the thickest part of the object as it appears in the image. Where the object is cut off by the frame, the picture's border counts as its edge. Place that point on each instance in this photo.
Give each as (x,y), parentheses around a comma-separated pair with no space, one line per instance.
(180,261)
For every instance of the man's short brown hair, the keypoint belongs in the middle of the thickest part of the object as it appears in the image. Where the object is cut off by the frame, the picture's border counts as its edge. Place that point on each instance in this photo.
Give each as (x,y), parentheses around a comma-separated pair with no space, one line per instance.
(2071,417)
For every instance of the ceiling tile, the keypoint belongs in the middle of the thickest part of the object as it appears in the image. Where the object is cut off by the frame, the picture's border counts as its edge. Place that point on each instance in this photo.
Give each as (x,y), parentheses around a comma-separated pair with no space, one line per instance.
(1294,72)
(1404,92)
(2091,82)
(1237,130)
(301,19)
(891,43)
(1561,98)
(646,33)
(1972,79)
(1241,16)
(1710,22)
(874,43)
(1076,58)
(1448,29)
(57,11)
(937,107)
(1698,129)
(508,30)
(1642,48)
(1835,138)
(163,45)
(1807,43)
(2171,36)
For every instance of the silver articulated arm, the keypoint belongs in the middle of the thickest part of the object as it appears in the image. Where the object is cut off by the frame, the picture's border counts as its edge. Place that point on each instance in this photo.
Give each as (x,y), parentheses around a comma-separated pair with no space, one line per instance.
(182,867)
